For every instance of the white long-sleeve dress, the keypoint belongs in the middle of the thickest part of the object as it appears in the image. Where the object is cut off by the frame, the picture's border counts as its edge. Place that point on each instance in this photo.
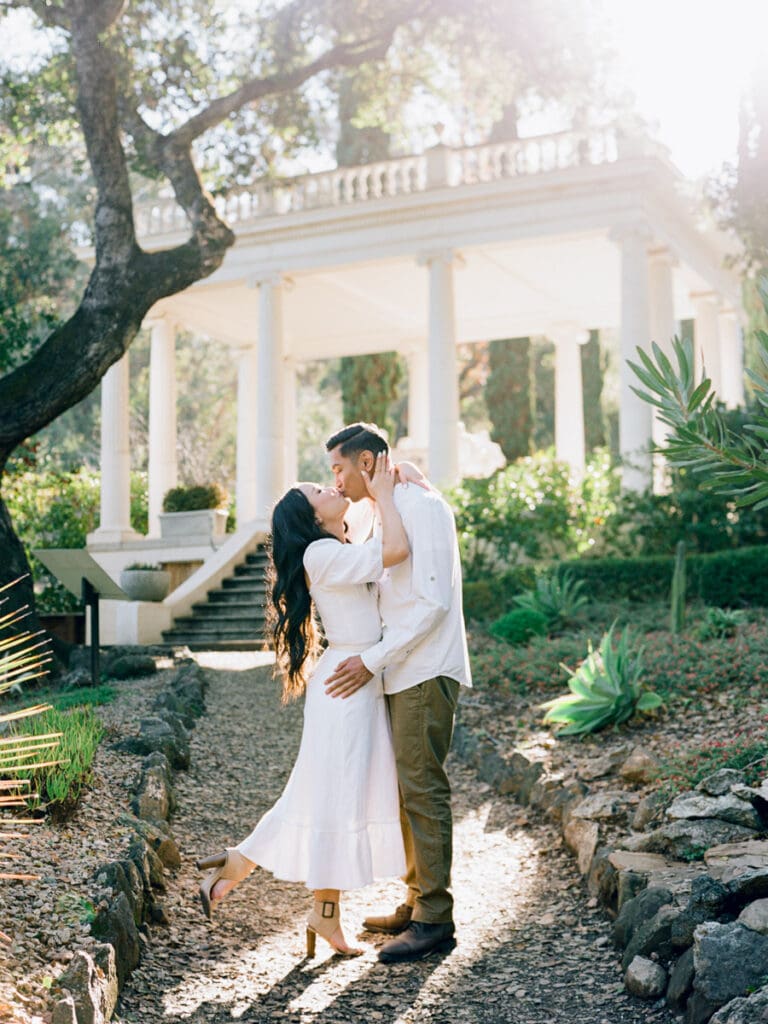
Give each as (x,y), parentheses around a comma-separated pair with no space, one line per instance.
(337,823)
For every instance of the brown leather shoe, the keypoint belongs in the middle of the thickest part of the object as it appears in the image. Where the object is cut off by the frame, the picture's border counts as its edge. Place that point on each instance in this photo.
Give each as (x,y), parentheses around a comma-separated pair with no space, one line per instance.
(392,924)
(418,940)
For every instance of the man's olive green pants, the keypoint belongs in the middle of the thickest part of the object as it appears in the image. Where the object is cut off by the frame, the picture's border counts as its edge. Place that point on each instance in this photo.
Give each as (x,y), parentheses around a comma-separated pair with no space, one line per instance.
(422,727)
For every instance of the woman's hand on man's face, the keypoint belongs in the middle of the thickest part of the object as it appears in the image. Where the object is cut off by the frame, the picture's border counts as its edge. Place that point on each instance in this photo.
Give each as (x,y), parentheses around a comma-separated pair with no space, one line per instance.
(382,483)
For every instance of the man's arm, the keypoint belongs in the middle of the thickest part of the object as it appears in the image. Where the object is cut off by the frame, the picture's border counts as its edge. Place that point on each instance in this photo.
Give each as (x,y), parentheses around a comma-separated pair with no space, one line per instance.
(430,532)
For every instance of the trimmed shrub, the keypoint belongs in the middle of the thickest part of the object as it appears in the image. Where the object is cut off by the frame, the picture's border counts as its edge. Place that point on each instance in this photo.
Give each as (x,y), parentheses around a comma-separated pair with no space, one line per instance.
(724,578)
(518,626)
(195,498)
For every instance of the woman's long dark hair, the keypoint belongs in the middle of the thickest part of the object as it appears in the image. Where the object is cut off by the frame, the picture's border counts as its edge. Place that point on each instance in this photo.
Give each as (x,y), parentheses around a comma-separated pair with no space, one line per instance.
(294,528)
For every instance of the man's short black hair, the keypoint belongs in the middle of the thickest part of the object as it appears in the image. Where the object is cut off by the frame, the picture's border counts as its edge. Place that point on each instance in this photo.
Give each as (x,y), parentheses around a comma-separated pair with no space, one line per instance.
(356,438)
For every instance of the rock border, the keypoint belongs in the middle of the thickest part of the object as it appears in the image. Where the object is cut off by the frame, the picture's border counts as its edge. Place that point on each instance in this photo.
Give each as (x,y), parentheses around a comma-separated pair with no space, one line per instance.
(693,931)
(91,984)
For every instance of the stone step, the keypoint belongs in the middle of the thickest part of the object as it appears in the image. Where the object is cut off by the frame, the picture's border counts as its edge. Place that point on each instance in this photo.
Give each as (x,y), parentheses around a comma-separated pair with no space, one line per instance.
(194,623)
(240,585)
(198,643)
(224,609)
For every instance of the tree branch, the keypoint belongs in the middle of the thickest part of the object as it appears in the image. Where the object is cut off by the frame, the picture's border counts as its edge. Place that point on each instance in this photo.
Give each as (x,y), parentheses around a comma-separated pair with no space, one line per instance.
(342,55)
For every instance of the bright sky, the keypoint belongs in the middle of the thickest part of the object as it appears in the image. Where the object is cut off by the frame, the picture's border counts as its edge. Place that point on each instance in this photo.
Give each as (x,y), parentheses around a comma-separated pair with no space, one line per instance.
(686,61)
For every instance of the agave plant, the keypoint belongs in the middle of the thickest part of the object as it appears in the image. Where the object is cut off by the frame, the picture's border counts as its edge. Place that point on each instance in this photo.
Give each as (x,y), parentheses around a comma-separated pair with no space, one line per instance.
(23,657)
(605,689)
(557,599)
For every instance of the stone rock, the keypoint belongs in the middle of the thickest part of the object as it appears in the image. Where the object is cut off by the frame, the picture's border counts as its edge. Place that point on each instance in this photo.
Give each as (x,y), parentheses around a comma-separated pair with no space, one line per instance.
(160,915)
(647,811)
(167,700)
(64,1011)
(606,764)
(158,838)
(636,911)
(719,783)
(490,765)
(689,839)
(652,936)
(155,797)
(640,767)
(645,979)
(743,889)
(520,775)
(629,885)
(751,1010)
(725,808)
(755,916)
(130,666)
(81,980)
(157,734)
(156,872)
(602,879)
(604,806)
(116,926)
(76,678)
(641,863)
(114,876)
(104,955)
(137,854)
(729,960)
(681,981)
(709,901)
(729,860)
(581,836)
(555,795)
(757,797)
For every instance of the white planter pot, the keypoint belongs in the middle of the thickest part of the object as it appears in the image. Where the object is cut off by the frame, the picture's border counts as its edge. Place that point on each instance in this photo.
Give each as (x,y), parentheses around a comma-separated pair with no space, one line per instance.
(145,584)
(204,524)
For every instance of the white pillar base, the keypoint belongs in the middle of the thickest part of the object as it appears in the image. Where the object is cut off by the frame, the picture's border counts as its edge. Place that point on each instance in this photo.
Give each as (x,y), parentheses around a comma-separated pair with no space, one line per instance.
(443,375)
(163,463)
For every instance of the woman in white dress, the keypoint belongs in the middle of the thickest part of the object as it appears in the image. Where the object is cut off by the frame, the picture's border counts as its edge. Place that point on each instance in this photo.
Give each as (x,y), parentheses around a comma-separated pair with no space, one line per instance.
(337,824)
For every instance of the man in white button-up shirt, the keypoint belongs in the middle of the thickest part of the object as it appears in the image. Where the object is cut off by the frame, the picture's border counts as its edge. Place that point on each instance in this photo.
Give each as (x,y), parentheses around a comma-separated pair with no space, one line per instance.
(423,658)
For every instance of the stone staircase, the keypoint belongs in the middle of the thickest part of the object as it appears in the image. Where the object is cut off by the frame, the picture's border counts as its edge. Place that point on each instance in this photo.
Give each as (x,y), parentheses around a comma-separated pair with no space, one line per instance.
(232,616)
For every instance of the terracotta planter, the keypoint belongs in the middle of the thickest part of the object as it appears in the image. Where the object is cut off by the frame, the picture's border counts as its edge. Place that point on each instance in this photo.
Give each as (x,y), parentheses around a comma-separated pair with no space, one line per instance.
(145,584)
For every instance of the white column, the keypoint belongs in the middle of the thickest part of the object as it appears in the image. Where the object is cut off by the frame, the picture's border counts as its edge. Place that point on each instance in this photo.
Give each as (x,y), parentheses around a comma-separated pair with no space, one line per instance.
(443,416)
(163,466)
(245,472)
(569,395)
(731,358)
(418,398)
(663,327)
(634,414)
(270,405)
(291,457)
(115,520)
(707,339)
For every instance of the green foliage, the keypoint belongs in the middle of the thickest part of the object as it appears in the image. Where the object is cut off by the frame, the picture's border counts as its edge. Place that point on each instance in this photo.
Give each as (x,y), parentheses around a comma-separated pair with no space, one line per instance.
(509,395)
(82,696)
(485,598)
(652,524)
(195,498)
(729,463)
(558,599)
(144,566)
(519,625)
(369,387)
(747,752)
(532,509)
(725,578)
(605,689)
(677,593)
(60,785)
(53,509)
(719,623)
(593,368)
(544,387)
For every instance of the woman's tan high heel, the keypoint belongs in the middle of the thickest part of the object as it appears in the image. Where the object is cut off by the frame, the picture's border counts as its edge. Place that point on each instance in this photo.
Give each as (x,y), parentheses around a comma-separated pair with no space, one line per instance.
(324,920)
(230,865)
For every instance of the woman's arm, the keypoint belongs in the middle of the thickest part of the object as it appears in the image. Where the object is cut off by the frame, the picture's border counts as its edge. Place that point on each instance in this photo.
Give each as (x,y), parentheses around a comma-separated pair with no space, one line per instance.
(409,473)
(381,487)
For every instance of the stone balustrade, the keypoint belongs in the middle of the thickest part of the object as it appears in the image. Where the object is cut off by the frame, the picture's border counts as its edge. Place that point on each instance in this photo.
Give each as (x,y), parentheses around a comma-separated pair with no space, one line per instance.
(439,167)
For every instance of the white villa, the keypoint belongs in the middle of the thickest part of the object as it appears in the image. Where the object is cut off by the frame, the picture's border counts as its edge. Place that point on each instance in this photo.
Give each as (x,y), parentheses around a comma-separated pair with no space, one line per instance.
(551,236)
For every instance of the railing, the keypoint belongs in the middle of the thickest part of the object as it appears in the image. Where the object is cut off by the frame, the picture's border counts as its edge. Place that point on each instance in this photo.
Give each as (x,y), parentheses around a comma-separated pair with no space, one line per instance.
(439,167)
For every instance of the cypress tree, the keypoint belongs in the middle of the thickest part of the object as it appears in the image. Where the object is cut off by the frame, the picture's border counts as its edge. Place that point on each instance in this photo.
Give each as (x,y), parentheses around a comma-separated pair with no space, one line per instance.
(592,369)
(369,386)
(509,395)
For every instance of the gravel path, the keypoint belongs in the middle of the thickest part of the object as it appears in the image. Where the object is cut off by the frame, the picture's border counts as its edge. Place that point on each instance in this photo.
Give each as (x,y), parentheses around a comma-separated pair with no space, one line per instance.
(532,947)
